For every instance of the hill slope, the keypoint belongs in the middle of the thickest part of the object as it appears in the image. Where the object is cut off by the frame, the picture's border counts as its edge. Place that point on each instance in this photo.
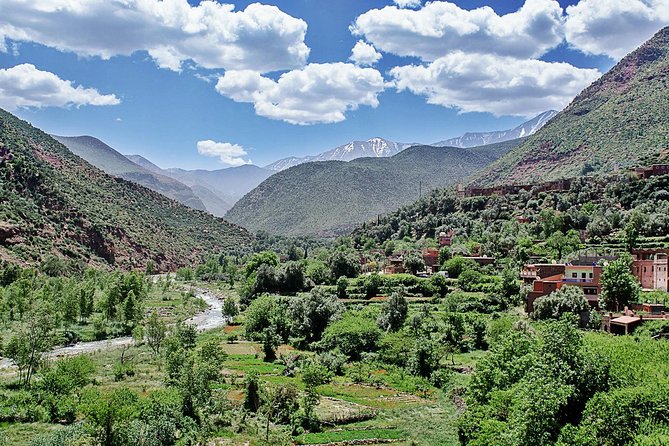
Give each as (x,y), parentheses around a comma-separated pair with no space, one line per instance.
(52,202)
(104,157)
(474,139)
(621,120)
(329,197)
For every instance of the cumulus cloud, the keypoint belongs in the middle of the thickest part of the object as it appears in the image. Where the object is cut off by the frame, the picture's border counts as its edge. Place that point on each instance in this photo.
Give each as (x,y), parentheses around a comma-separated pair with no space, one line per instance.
(499,85)
(317,93)
(26,86)
(213,35)
(441,26)
(231,154)
(614,27)
(407,3)
(364,54)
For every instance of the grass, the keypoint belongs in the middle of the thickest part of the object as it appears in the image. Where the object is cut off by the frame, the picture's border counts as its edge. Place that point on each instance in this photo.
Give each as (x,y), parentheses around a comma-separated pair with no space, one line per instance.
(348,435)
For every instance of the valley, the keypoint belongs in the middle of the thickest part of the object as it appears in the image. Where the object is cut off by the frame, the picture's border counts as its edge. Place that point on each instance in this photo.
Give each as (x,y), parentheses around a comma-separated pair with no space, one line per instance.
(504,287)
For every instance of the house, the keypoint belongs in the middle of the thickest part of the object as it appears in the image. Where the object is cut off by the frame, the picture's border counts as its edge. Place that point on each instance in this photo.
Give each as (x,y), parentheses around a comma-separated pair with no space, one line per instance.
(395,265)
(446,238)
(482,260)
(431,260)
(654,170)
(582,276)
(650,268)
(522,219)
(535,271)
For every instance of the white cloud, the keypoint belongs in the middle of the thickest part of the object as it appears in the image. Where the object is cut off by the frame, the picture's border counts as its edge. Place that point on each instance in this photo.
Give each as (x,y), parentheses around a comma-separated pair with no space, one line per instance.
(26,86)
(614,27)
(364,54)
(440,27)
(231,154)
(499,85)
(213,35)
(407,3)
(317,93)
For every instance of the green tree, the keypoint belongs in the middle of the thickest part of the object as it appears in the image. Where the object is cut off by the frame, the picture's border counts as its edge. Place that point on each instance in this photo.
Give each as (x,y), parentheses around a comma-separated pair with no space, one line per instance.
(457,265)
(155,332)
(619,286)
(268,258)
(108,412)
(344,263)
(568,299)
(31,340)
(413,262)
(352,335)
(394,312)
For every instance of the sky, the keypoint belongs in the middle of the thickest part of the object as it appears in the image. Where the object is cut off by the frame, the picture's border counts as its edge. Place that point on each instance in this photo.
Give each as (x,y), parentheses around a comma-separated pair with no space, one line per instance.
(206,84)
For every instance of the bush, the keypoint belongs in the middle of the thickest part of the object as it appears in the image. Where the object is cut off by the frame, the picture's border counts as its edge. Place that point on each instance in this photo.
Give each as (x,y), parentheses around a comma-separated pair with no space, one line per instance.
(352,335)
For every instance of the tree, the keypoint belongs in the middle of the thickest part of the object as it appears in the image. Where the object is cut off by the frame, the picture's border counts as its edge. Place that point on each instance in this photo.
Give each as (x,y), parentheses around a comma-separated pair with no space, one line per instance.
(568,299)
(86,295)
(155,332)
(344,263)
(268,258)
(107,411)
(318,272)
(413,262)
(457,265)
(342,285)
(266,280)
(270,341)
(291,278)
(394,312)
(619,286)
(352,335)
(230,308)
(563,244)
(440,284)
(33,338)
(311,314)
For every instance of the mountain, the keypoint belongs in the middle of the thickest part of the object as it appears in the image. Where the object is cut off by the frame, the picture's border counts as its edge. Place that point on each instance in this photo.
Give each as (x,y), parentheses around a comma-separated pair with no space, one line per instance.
(218,189)
(482,138)
(105,158)
(329,197)
(620,121)
(375,147)
(54,203)
(230,184)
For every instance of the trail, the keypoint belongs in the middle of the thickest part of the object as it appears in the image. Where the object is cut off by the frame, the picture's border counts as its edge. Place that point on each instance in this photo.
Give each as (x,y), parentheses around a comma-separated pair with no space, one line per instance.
(208,319)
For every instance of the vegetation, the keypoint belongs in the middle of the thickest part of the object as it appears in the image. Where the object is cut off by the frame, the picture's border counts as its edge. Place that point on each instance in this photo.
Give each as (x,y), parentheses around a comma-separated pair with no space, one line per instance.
(54,203)
(622,109)
(330,197)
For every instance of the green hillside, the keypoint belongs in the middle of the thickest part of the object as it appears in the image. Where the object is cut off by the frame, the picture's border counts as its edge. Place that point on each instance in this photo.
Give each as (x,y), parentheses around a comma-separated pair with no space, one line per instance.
(106,158)
(621,120)
(327,198)
(53,203)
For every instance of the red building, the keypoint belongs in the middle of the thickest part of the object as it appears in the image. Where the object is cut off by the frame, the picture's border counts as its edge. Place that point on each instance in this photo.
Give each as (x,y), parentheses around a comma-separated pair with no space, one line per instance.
(431,259)
(654,170)
(446,238)
(582,276)
(650,268)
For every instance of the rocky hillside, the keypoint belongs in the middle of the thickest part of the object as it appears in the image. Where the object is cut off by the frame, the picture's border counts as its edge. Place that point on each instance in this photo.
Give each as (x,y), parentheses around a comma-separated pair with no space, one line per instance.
(328,198)
(619,121)
(53,203)
(106,158)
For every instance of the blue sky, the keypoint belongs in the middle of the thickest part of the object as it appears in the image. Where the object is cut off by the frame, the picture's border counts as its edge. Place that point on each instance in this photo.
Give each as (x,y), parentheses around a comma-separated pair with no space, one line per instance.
(264,88)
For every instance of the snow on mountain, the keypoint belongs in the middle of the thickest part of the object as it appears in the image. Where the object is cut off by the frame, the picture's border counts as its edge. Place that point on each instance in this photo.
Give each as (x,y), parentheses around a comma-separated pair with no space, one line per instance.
(474,139)
(374,147)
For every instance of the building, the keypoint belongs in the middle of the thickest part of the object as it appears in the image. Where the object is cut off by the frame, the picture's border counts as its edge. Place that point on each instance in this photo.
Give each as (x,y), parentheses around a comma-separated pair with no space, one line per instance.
(585,277)
(535,271)
(482,260)
(395,265)
(654,170)
(431,260)
(650,268)
(446,238)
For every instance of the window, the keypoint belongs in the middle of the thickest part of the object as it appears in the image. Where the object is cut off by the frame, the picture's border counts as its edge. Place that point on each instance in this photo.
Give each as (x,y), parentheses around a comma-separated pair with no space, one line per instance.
(590,275)
(582,275)
(574,275)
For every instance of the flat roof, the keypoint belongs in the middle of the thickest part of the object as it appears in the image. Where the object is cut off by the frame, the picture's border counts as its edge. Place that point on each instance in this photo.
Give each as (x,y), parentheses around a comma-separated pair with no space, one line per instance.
(625,320)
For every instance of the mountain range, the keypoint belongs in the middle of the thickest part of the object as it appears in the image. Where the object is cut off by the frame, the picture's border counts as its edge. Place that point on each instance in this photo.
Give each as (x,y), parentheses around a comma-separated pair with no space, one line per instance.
(619,121)
(474,139)
(328,198)
(54,203)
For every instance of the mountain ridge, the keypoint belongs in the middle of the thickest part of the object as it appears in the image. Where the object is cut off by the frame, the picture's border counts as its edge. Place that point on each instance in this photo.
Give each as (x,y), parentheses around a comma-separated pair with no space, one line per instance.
(327,198)
(54,203)
(619,121)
